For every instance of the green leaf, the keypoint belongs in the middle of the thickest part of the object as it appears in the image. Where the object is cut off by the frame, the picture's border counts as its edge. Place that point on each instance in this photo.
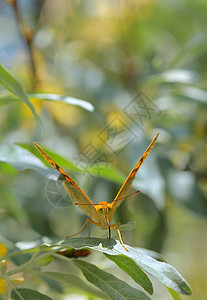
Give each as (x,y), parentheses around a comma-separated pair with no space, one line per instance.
(106,171)
(112,286)
(19,157)
(44,261)
(63,162)
(69,100)
(131,268)
(74,281)
(22,159)
(27,294)
(174,294)
(99,244)
(101,170)
(164,272)
(12,85)
(6,98)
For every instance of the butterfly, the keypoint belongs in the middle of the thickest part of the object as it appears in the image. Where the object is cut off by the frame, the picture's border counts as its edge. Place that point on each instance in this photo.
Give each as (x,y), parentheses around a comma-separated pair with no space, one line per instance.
(100,214)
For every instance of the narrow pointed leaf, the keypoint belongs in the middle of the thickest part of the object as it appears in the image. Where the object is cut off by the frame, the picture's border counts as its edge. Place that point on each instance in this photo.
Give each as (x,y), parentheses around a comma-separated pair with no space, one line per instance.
(19,157)
(151,253)
(74,281)
(112,286)
(69,100)
(194,94)
(181,76)
(27,294)
(164,272)
(174,294)
(22,159)
(12,85)
(101,170)
(132,269)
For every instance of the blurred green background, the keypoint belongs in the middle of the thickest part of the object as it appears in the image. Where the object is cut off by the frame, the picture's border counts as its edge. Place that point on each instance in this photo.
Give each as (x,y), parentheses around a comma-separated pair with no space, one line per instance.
(119,56)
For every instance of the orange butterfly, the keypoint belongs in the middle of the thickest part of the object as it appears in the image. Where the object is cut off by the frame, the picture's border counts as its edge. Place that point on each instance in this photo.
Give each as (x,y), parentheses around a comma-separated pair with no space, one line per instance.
(101,214)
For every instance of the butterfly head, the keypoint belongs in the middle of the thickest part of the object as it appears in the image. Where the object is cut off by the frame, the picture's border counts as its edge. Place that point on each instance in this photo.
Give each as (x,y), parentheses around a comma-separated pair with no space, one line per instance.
(103,208)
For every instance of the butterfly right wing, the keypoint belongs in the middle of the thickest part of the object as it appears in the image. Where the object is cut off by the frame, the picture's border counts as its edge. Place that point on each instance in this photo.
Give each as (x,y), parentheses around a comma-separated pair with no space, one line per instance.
(72,188)
(128,182)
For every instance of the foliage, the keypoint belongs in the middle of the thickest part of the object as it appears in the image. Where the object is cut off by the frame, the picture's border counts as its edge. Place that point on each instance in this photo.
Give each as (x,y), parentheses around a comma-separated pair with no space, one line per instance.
(22,159)
(130,262)
(73,76)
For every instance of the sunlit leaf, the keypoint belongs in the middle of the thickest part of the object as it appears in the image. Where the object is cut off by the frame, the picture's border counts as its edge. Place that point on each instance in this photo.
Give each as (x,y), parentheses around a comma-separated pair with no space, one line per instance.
(22,159)
(100,170)
(195,94)
(167,274)
(174,294)
(12,85)
(69,100)
(107,172)
(6,98)
(19,157)
(151,253)
(175,76)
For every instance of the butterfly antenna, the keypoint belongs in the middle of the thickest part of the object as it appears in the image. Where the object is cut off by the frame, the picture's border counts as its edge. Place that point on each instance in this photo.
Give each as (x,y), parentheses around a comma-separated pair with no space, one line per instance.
(76,203)
(128,195)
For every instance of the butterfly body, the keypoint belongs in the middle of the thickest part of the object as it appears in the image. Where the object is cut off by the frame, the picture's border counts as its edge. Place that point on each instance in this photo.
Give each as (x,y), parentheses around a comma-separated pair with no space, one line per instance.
(105,213)
(100,214)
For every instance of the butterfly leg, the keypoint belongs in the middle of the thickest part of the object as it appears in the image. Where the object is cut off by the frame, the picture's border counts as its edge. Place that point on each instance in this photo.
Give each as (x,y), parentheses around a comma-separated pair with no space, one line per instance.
(86,223)
(109,227)
(120,237)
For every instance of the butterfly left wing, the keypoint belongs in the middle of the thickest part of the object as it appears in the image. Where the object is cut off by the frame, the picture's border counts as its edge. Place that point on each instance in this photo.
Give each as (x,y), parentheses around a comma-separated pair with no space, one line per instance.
(128,182)
(73,189)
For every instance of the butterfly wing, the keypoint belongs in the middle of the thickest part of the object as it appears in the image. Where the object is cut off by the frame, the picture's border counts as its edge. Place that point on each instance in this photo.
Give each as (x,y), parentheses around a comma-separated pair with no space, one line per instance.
(72,188)
(128,182)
